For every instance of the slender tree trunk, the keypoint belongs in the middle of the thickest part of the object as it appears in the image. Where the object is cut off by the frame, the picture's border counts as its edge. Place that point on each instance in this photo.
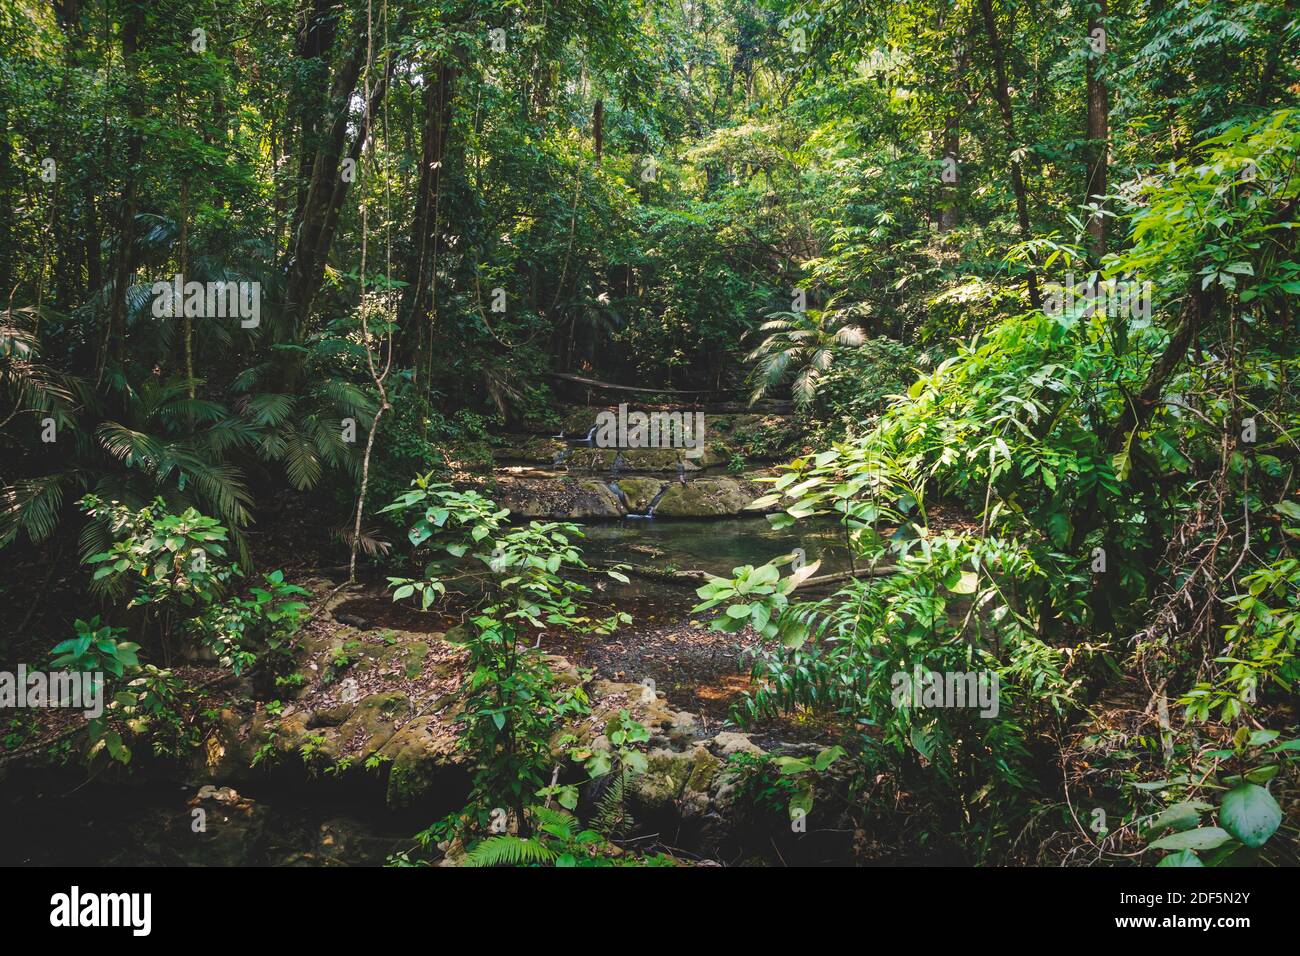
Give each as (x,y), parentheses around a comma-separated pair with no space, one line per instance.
(1098,126)
(132,26)
(426,225)
(69,13)
(184,266)
(952,156)
(1003,95)
(321,206)
(951,142)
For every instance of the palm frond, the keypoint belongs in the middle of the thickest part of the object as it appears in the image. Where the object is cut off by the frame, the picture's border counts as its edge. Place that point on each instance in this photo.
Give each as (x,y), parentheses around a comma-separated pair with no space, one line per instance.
(269,408)
(131,447)
(31,505)
(347,398)
(850,335)
(300,462)
(805,387)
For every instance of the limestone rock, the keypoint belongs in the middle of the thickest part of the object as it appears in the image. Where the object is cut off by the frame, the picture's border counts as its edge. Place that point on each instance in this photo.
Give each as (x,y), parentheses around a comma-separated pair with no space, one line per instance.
(704,498)
(566,498)
(422,753)
(728,742)
(639,492)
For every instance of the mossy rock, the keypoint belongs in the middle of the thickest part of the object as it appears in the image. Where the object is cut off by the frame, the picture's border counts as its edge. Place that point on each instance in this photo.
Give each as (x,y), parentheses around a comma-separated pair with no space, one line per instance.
(365,730)
(534,449)
(423,757)
(633,459)
(331,716)
(539,498)
(673,776)
(704,498)
(639,492)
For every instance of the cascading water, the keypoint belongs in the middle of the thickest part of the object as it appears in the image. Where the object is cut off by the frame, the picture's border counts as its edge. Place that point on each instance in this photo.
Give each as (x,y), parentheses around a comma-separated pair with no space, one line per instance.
(618,493)
(650,510)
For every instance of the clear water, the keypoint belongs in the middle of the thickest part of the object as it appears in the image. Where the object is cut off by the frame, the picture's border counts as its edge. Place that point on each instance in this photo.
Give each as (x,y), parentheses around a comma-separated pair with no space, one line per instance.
(716,545)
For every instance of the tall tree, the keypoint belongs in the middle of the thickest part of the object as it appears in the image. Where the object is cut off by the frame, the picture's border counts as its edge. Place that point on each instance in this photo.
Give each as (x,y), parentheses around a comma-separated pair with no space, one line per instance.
(1098,125)
(1002,93)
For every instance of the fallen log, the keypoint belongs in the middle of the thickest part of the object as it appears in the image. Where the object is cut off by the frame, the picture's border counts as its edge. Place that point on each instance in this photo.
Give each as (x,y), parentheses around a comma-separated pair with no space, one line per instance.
(595,383)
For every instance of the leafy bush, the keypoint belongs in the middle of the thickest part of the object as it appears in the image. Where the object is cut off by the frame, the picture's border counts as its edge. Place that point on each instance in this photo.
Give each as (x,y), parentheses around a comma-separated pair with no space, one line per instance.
(255,630)
(143,701)
(859,385)
(511,701)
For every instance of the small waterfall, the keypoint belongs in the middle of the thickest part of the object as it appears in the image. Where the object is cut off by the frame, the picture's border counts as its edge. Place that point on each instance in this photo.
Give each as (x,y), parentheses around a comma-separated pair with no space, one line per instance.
(619,494)
(650,511)
(589,441)
(654,503)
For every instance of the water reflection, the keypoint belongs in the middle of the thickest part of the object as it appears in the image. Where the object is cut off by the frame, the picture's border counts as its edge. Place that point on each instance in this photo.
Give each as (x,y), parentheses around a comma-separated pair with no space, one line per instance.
(715,545)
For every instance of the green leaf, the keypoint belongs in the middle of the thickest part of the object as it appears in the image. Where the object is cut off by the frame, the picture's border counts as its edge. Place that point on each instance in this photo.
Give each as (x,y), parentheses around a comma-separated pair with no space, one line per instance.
(1263,775)
(1203,838)
(967,584)
(1288,508)
(791,765)
(1181,816)
(1250,813)
(827,757)
(1181,858)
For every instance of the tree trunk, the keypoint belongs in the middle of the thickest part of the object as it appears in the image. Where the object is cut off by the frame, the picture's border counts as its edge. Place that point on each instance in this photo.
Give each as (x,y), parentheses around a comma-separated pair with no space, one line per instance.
(426,225)
(1098,128)
(1003,95)
(318,213)
(307,100)
(184,267)
(132,27)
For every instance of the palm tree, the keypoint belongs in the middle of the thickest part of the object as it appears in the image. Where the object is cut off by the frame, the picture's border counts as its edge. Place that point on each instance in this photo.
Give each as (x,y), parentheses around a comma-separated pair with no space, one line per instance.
(802,344)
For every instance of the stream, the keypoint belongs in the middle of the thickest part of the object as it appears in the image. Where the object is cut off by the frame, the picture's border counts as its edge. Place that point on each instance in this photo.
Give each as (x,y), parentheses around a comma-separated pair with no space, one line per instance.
(714,545)
(283,815)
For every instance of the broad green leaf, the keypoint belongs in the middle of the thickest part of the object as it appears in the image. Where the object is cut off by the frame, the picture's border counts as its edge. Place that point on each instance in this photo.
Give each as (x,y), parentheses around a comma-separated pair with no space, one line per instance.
(1250,813)
(1203,838)
(1181,858)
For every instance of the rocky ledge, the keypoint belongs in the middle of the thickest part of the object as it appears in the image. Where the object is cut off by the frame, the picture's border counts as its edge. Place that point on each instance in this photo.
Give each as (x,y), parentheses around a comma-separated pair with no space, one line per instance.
(385,699)
(566,497)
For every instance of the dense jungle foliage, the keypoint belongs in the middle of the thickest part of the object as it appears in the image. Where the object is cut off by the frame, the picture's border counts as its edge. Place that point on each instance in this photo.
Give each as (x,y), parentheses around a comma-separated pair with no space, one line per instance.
(1020,274)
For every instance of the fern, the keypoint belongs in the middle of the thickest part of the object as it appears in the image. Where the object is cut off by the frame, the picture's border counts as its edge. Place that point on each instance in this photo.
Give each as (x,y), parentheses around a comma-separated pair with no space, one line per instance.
(555,822)
(510,851)
(611,816)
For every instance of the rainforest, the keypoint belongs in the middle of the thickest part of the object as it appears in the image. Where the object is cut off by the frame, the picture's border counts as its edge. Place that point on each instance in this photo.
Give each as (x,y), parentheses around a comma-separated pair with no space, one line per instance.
(650,433)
